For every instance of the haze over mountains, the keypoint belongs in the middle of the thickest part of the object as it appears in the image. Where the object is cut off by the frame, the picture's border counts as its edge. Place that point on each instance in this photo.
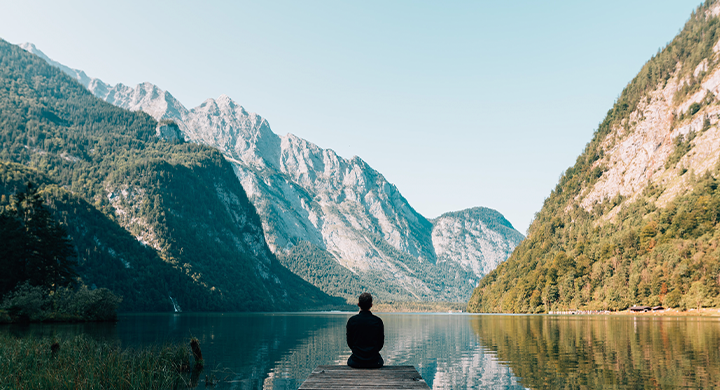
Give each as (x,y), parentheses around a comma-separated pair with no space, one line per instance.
(336,222)
(635,220)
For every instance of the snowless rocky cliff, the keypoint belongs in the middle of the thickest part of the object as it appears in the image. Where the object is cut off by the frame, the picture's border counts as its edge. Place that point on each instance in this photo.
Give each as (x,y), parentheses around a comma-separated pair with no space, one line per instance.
(311,196)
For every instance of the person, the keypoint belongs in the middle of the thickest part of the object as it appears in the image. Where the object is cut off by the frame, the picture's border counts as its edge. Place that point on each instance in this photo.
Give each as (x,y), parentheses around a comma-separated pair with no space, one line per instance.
(365,336)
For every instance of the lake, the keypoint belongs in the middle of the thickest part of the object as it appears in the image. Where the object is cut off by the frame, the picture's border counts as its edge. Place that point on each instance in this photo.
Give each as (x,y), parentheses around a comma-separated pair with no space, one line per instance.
(451,351)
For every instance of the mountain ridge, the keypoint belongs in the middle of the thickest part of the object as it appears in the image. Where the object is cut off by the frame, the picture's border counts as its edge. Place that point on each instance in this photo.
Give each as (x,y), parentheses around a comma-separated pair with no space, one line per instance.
(140,210)
(634,221)
(307,194)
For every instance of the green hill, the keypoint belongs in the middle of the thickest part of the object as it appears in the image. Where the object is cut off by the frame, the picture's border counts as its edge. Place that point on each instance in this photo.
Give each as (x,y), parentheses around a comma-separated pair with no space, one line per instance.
(150,219)
(635,220)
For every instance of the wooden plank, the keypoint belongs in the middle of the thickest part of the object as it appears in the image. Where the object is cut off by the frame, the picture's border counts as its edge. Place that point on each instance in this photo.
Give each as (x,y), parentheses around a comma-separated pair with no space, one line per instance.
(345,377)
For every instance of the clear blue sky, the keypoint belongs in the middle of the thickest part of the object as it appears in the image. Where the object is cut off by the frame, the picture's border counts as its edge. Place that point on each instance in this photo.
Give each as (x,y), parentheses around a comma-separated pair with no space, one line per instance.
(460,104)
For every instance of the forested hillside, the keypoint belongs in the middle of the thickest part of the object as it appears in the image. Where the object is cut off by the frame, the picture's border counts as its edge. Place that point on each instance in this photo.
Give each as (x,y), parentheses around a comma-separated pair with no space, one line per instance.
(635,220)
(149,219)
(336,222)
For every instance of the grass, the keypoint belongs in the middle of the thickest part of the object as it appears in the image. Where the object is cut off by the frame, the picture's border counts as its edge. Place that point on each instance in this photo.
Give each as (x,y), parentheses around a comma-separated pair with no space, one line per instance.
(84,363)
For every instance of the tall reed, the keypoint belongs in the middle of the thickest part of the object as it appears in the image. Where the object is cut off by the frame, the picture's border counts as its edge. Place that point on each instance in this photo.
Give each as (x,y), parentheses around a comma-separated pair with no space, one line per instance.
(84,363)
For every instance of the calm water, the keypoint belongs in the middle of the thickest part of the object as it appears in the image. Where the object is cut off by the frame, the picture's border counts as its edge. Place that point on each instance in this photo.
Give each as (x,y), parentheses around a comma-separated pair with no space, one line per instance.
(451,351)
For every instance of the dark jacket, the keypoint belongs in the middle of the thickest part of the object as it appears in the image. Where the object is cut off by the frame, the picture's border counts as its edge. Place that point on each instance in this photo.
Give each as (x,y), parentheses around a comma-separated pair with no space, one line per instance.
(365,337)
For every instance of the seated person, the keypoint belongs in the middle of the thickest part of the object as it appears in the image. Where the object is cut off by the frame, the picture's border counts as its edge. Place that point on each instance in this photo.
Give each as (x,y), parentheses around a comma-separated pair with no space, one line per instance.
(365,336)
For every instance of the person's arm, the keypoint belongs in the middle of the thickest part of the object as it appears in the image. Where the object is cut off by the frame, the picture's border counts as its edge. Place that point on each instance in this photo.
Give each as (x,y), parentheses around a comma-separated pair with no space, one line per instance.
(382,335)
(347,335)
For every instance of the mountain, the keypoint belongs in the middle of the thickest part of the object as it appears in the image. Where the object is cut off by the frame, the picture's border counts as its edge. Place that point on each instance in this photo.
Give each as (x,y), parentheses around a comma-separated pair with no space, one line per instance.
(161,223)
(479,238)
(336,222)
(635,220)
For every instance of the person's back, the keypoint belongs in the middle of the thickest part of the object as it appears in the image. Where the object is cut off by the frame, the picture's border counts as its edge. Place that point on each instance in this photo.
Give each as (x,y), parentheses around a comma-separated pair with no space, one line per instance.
(365,336)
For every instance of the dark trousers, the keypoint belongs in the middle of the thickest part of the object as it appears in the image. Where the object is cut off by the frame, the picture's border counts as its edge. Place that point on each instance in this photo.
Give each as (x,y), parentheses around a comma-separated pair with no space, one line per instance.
(354,362)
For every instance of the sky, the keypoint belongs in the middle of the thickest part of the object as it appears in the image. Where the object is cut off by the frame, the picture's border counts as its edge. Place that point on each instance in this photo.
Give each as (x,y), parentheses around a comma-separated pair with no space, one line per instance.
(459,104)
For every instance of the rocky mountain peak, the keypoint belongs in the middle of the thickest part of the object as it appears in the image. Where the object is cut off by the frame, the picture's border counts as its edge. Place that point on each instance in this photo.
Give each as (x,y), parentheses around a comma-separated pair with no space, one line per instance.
(339,217)
(229,127)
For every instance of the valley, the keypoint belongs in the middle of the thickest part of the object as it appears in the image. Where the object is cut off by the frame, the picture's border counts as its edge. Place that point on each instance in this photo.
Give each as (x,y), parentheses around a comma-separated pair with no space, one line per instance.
(335,222)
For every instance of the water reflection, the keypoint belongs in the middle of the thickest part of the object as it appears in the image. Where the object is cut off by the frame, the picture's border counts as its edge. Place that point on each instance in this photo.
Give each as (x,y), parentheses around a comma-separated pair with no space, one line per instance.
(443,348)
(593,352)
(278,351)
(445,351)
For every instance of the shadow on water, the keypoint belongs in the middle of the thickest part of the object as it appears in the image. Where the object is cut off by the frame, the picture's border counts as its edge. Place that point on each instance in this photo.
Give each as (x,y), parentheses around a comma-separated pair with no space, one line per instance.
(243,350)
(600,352)
(99,331)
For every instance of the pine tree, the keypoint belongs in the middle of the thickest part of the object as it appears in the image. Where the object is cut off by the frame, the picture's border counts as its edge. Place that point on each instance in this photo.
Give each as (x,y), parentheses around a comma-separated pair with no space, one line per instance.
(11,250)
(36,248)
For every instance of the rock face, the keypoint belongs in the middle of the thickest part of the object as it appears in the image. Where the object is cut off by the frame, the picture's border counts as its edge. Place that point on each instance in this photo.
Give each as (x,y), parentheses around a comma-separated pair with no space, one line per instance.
(478,238)
(635,220)
(169,131)
(163,224)
(637,152)
(311,196)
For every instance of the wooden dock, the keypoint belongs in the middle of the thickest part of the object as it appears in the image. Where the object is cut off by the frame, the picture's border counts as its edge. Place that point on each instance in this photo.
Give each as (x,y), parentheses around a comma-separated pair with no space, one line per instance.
(344,377)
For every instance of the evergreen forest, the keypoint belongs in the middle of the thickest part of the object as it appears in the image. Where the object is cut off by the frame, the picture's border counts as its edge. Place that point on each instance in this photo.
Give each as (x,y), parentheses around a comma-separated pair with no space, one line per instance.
(146,218)
(646,254)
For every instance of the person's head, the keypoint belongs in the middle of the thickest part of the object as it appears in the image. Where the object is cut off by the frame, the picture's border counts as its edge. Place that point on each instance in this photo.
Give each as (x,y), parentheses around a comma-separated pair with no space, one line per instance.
(365,301)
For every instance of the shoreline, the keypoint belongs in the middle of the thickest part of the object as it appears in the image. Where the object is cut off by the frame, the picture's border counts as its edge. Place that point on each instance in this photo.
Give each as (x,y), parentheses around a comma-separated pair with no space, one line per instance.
(704,312)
